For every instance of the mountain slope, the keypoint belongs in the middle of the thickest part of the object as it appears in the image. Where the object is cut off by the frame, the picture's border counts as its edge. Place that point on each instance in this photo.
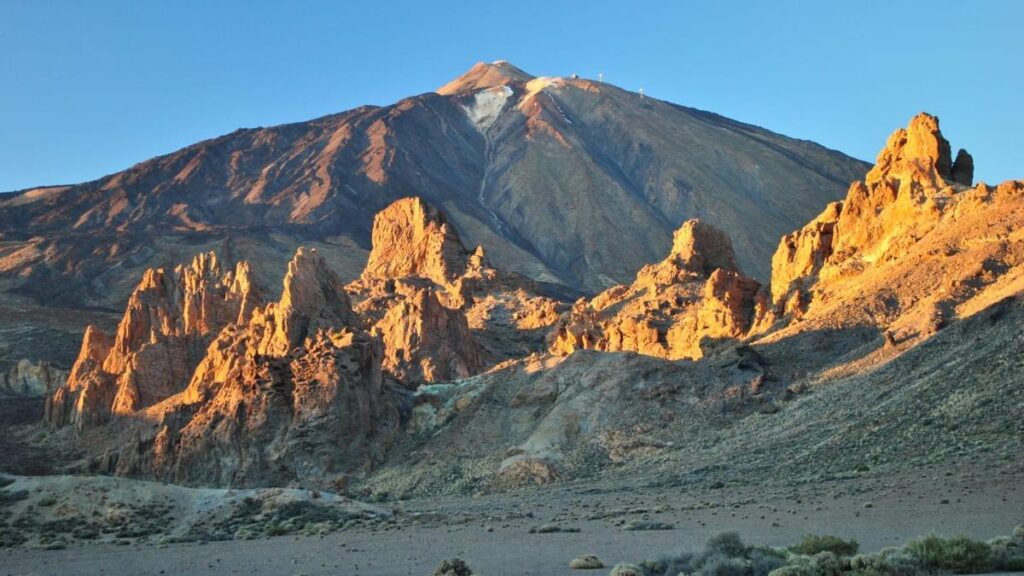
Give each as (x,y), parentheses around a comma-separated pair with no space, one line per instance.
(563,179)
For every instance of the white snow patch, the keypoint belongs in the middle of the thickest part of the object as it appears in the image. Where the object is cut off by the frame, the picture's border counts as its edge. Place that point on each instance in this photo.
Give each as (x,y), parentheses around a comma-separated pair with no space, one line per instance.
(538,84)
(487,106)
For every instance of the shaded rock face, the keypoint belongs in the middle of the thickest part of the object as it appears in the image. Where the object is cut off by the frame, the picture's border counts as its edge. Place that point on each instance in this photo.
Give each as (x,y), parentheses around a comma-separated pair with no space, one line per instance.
(675,308)
(294,393)
(171,317)
(26,378)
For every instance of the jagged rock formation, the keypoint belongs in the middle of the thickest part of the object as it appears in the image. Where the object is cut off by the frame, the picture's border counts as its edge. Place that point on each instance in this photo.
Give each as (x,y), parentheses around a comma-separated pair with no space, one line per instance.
(541,171)
(293,393)
(911,250)
(914,189)
(26,378)
(696,293)
(414,240)
(903,280)
(414,292)
(170,319)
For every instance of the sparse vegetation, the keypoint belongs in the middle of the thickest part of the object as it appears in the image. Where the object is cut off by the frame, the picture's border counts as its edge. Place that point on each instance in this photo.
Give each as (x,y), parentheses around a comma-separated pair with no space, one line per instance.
(811,545)
(627,570)
(958,554)
(727,555)
(647,525)
(453,567)
(551,529)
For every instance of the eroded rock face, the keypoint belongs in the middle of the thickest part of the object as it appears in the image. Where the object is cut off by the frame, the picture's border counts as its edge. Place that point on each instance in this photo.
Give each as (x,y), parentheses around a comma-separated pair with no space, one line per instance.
(424,341)
(675,308)
(420,288)
(414,240)
(910,249)
(293,392)
(170,319)
(899,200)
(26,378)
(799,258)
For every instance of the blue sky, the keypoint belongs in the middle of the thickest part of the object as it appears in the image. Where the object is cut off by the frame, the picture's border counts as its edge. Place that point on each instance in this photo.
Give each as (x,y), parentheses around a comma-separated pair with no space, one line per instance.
(90,88)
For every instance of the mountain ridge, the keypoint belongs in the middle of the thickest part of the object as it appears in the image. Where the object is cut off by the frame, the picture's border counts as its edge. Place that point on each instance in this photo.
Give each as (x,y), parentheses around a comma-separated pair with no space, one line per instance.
(564,180)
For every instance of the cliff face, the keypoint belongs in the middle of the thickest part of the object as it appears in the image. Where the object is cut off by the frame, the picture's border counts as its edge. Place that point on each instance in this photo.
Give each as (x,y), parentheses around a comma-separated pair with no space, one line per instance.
(675,308)
(171,317)
(413,240)
(911,248)
(293,392)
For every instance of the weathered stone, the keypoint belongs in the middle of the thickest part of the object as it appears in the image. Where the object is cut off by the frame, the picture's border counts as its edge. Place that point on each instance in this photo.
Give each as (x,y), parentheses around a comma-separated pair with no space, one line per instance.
(414,240)
(170,318)
(696,293)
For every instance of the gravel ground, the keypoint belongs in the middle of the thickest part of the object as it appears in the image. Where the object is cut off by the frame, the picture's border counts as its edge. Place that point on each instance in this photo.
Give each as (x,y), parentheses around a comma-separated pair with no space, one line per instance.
(492,533)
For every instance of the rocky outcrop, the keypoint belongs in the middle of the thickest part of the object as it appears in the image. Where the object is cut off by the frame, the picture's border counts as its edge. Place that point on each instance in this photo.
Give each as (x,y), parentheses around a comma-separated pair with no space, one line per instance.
(904,190)
(414,240)
(900,199)
(799,258)
(675,308)
(422,285)
(424,341)
(295,392)
(27,378)
(909,251)
(170,319)
(86,397)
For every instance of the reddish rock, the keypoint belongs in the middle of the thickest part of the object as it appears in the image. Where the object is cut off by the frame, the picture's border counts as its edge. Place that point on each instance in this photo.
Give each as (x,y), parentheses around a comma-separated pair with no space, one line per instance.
(414,240)
(673,308)
(170,318)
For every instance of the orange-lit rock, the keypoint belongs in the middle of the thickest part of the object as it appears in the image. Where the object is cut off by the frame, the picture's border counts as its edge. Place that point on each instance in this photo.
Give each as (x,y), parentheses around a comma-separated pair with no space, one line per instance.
(170,318)
(424,341)
(695,294)
(799,257)
(414,240)
(909,250)
(294,392)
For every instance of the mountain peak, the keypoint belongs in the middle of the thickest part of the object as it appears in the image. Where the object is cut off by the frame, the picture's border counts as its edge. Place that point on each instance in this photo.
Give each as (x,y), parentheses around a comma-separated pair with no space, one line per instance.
(484,75)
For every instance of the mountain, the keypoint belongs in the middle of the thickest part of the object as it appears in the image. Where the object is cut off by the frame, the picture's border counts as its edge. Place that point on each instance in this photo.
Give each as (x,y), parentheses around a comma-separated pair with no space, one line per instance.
(889,333)
(562,179)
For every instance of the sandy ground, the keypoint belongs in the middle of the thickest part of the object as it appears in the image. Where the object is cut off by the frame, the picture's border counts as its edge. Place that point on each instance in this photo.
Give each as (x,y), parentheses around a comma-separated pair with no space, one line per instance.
(492,533)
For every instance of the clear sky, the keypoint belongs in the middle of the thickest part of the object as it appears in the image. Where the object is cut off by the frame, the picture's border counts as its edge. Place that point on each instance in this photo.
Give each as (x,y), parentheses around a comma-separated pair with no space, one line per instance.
(90,88)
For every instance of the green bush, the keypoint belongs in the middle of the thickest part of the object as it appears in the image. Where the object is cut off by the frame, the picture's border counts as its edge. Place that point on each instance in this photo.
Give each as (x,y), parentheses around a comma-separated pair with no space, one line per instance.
(453,567)
(727,544)
(821,564)
(811,545)
(721,565)
(764,560)
(889,562)
(1008,553)
(958,554)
